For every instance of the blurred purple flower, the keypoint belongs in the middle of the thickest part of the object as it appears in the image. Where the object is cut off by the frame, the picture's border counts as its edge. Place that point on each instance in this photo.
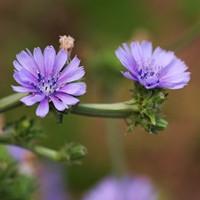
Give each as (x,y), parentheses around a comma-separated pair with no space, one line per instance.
(51,182)
(48,77)
(152,68)
(49,175)
(126,188)
(24,157)
(18,153)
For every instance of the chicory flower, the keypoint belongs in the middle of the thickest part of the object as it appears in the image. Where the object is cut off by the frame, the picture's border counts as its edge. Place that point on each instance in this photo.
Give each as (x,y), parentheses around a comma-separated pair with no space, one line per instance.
(124,188)
(48,77)
(152,68)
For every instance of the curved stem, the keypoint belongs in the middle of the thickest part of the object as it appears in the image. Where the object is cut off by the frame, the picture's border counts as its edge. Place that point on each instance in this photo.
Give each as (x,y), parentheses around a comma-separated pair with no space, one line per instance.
(112,110)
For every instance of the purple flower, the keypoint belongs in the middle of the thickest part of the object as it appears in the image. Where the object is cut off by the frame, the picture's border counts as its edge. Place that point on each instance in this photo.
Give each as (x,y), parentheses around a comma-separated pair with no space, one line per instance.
(18,153)
(48,77)
(51,182)
(25,159)
(152,68)
(126,188)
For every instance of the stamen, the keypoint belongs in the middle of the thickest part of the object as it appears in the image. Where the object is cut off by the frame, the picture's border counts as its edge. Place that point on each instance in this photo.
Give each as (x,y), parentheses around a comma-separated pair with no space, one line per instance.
(148,77)
(47,87)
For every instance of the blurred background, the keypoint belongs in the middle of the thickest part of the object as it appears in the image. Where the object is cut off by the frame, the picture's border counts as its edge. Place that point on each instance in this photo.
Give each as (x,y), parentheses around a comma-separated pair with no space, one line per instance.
(170,159)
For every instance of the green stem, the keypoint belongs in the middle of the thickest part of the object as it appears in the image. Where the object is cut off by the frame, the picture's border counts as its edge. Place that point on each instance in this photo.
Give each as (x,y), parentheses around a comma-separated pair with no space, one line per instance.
(112,110)
(46,152)
(10,102)
(115,144)
(39,150)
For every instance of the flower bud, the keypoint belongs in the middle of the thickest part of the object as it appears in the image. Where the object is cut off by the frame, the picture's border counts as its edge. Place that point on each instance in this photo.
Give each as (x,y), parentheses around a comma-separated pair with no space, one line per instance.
(66,42)
(73,152)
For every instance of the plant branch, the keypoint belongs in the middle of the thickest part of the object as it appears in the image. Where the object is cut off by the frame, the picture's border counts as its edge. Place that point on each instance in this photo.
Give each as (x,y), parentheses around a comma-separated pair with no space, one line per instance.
(39,150)
(66,154)
(10,102)
(112,110)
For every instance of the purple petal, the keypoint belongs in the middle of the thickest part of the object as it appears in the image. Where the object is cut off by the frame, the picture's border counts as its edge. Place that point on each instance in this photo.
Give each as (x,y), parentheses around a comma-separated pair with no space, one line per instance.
(59,105)
(123,188)
(173,86)
(176,81)
(146,49)
(26,76)
(126,58)
(43,108)
(61,59)
(162,58)
(128,75)
(174,76)
(72,76)
(71,67)
(75,89)
(142,53)
(23,89)
(137,53)
(67,99)
(39,59)
(27,62)
(32,99)
(17,66)
(29,52)
(49,59)
(18,79)
(175,67)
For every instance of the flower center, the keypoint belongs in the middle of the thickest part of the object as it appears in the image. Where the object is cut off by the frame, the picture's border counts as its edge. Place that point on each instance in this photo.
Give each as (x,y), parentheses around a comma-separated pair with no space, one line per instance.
(46,85)
(148,78)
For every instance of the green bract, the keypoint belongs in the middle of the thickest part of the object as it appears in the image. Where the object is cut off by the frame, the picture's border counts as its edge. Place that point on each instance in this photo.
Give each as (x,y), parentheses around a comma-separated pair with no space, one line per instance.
(149,103)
